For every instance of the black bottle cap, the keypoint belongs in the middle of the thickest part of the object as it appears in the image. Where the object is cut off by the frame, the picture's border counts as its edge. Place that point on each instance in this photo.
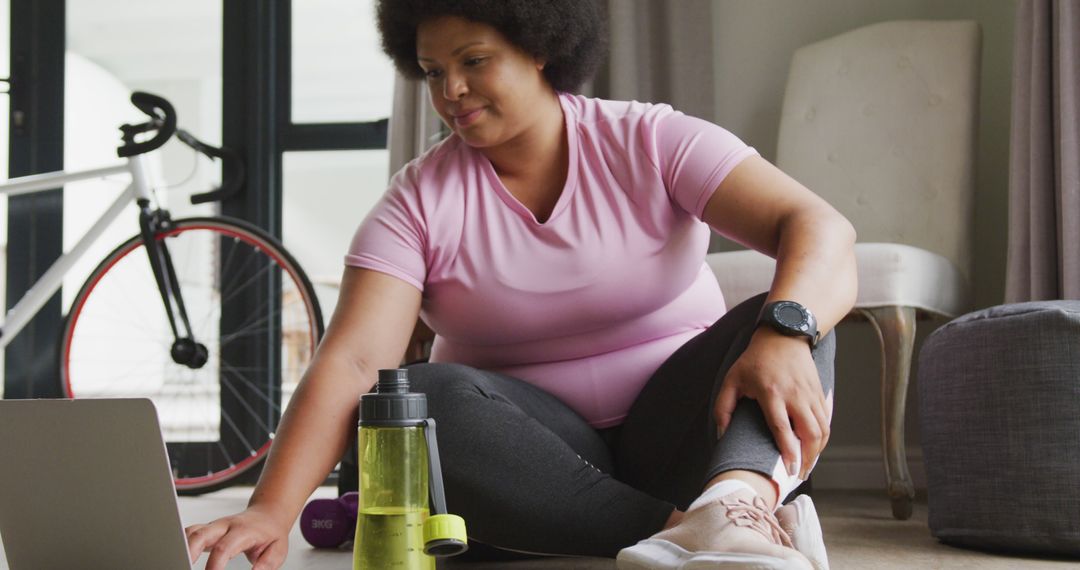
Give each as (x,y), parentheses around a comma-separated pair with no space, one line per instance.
(391,404)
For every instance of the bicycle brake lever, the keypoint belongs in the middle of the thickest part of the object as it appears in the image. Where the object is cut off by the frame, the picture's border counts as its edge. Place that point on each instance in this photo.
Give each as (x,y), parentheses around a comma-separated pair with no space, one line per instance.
(196,144)
(228,157)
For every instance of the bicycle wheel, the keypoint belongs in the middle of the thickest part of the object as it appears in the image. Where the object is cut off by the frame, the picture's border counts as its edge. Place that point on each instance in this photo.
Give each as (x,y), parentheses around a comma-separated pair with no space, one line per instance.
(249,304)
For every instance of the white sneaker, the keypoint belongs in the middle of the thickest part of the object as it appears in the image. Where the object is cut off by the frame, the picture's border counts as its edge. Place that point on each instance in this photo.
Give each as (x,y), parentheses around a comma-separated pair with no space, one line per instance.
(736,530)
(799,520)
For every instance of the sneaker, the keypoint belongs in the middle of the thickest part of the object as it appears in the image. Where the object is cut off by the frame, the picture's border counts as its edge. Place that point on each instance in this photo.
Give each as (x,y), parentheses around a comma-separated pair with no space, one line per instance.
(737,530)
(799,520)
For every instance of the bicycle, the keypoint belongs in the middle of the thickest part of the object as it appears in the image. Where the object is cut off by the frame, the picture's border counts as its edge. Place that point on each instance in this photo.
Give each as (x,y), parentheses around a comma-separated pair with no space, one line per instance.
(219,372)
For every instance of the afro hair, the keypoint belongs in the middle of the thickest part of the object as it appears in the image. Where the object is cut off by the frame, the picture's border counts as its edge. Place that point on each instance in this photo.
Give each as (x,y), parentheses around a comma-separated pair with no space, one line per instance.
(568,34)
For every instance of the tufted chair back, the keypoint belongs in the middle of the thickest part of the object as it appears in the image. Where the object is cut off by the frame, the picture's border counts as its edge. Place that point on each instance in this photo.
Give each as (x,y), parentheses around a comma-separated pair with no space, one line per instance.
(881,123)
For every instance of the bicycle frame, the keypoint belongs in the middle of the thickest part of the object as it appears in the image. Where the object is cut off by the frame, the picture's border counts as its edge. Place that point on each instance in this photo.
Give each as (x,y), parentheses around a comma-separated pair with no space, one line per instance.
(139,188)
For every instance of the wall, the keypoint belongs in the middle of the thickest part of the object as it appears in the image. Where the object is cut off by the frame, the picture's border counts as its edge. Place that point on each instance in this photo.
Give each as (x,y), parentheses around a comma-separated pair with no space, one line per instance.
(753,44)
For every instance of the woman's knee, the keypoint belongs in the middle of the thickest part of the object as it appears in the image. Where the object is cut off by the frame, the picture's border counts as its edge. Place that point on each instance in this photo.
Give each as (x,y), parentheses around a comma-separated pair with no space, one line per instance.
(445,384)
(824,354)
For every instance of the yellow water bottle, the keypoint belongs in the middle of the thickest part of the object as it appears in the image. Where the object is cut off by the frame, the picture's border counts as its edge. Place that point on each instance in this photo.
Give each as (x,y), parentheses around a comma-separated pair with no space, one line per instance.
(396,525)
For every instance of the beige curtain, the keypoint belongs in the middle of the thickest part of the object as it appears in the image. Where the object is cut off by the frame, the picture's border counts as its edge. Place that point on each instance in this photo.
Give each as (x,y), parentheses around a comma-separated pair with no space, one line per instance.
(1044,180)
(660,51)
(414,125)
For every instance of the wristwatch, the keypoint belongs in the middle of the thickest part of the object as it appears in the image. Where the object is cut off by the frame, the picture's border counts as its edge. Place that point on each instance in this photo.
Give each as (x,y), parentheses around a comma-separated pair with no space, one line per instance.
(790,318)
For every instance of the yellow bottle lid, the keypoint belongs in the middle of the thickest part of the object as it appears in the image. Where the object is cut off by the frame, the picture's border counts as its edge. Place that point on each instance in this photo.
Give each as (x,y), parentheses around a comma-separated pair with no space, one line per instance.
(444,535)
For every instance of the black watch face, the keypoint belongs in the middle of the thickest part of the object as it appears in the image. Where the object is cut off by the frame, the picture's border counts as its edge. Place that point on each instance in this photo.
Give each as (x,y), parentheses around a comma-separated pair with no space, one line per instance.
(791,316)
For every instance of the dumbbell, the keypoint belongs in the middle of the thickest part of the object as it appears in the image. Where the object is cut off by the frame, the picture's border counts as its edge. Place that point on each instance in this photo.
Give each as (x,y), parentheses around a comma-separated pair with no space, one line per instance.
(330,523)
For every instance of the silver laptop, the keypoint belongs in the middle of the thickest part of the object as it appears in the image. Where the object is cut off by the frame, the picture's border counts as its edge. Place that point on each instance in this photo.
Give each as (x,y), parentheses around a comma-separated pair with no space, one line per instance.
(86,484)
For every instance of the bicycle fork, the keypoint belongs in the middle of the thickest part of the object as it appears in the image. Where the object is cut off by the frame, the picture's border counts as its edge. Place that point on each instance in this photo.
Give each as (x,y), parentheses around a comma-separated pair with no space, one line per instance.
(185,349)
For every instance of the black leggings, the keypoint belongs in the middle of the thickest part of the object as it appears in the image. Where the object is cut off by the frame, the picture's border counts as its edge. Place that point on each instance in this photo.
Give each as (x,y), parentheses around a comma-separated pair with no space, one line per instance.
(530,475)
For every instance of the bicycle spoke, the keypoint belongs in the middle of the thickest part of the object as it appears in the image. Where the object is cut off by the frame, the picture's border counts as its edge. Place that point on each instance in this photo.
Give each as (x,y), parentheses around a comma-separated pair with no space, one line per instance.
(261,368)
(208,412)
(226,266)
(254,388)
(243,402)
(252,319)
(140,368)
(250,328)
(237,274)
(186,286)
(224,453)
(247,329)
(215,306)
(119,309)
(225,416)
(221,269)
(112,374)
(106,316)
(140,340)
(236,291)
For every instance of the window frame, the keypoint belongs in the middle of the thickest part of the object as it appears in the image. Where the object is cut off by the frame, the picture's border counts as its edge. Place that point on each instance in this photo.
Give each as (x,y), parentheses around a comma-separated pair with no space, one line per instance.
(257,122)
(36,145)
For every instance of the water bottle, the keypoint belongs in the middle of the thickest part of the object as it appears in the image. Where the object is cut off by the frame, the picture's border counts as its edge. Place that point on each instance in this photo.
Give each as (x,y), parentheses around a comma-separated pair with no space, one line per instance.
(397,527)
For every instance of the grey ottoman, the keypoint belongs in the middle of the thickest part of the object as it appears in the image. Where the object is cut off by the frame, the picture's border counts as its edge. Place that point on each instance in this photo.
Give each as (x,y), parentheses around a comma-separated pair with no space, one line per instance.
(999,401)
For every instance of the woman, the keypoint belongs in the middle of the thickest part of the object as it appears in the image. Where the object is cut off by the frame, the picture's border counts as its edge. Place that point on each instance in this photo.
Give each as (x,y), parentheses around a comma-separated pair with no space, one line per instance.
(585,362)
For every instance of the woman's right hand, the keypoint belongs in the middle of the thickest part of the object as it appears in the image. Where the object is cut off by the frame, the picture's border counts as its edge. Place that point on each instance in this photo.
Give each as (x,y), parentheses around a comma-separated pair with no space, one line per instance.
(256,533)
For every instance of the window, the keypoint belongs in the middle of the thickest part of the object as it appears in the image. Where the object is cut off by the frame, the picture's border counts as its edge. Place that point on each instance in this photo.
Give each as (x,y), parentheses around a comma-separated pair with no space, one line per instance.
(339,74)
(326,195)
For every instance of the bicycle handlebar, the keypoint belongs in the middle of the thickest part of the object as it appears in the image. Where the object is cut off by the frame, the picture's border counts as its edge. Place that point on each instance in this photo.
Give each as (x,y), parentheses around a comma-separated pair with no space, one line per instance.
(229,158)
(162,118)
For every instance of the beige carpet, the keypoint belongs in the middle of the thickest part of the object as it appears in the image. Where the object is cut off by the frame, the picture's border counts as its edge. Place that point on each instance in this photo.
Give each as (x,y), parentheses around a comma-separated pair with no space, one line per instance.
(860,533)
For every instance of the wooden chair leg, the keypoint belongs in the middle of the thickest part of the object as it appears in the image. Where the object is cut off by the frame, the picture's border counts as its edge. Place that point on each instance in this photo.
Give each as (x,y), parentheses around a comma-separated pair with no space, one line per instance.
(896,332)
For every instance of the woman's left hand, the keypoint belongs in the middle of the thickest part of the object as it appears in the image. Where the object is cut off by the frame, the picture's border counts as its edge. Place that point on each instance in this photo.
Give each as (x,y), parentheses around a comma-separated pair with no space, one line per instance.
(779,372)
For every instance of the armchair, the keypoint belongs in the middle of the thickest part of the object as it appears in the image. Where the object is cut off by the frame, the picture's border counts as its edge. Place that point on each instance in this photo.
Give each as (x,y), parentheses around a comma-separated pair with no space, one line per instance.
(880,121)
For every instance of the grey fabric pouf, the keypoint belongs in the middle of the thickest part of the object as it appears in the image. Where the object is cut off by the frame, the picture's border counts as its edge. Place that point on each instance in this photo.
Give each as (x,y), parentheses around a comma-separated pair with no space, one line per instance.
(999,401)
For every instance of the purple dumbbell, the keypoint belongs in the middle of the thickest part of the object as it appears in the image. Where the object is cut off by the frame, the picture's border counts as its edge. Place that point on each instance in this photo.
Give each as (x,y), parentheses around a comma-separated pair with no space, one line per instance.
(330,523)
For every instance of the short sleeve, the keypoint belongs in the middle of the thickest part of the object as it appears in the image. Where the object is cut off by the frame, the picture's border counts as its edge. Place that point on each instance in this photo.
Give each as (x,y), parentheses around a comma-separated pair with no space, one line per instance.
(392,237)
(694,156)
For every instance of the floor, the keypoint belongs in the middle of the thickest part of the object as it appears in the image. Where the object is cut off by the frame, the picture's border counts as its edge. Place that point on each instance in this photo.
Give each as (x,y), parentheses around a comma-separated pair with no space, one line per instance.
(860,533)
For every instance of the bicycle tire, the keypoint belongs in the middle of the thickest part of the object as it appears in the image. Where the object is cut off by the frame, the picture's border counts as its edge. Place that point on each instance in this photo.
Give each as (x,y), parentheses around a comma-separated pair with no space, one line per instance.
(117,319)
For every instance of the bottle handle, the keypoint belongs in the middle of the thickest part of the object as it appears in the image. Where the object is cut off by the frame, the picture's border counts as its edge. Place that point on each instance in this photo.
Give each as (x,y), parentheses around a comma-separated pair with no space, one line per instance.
(444,534)
(435,482)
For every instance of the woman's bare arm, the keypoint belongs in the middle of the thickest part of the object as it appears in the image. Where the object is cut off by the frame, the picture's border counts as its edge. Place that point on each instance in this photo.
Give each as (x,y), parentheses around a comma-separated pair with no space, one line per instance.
(370,329)
(760,207)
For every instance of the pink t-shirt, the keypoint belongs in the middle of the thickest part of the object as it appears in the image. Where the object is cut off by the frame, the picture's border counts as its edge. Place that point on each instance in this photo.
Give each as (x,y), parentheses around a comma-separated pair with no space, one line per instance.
(588,304)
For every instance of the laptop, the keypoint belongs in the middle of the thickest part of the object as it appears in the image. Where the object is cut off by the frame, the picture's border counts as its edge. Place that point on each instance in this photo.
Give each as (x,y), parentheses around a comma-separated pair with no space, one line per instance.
(86,484)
